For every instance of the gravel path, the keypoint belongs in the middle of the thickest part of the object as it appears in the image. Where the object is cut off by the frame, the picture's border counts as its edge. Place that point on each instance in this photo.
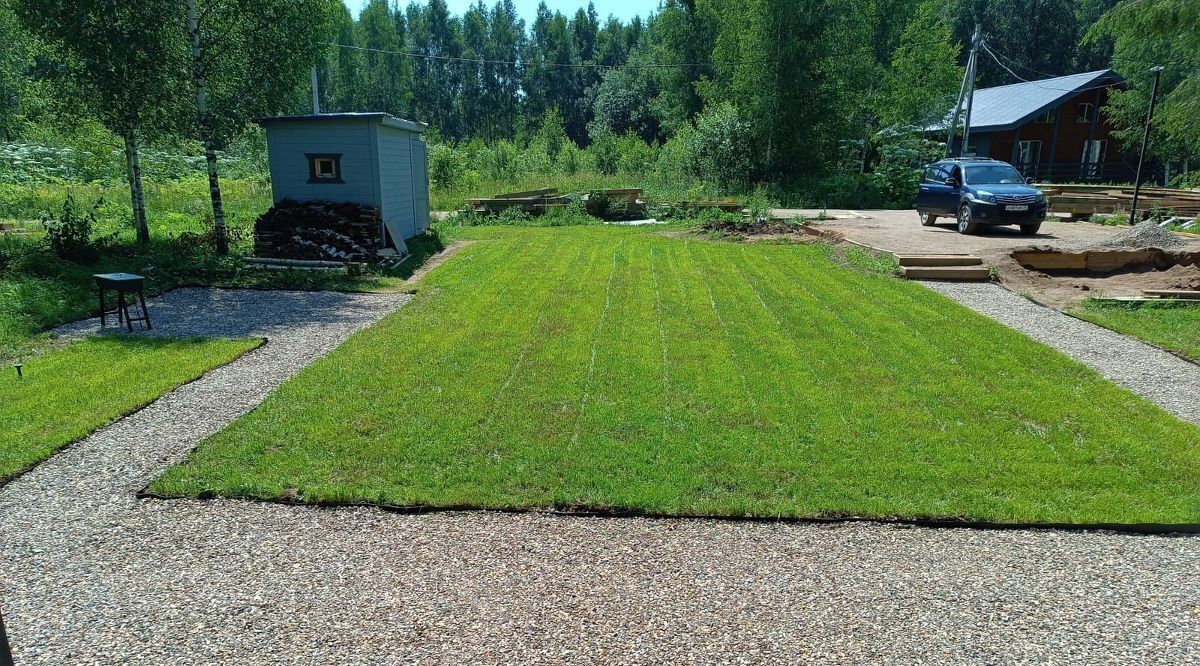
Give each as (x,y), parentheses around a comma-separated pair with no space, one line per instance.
(91,575)
(1156,375)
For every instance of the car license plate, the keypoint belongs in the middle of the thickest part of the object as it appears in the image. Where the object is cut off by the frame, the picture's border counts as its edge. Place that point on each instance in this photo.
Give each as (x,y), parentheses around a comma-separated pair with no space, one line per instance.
(1016,208)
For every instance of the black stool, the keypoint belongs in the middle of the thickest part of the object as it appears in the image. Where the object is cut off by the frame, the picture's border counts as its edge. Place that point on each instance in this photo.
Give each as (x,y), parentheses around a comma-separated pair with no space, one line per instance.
(123,283)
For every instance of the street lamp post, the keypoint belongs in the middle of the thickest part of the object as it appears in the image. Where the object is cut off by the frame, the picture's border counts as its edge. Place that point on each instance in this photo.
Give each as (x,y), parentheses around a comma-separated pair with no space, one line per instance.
(1137,183)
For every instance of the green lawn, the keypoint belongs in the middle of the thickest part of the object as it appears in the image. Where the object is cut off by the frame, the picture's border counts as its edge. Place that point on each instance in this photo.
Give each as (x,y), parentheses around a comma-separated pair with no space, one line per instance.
(69,392)
(1174,327)
(596,367)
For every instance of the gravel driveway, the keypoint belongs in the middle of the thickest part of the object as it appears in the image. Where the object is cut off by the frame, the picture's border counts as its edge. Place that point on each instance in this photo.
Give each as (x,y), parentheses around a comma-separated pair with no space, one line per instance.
(91,575)
(899,231)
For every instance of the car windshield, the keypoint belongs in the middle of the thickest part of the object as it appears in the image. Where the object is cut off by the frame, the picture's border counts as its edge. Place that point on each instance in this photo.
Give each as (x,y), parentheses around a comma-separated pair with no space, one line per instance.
(993,173)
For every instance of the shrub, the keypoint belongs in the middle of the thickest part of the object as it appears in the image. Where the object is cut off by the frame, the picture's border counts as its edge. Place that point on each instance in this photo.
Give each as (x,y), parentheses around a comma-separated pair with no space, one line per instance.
(722,148)
(69,234)
(903,153)
(447,166)
(605,154)
(637,158)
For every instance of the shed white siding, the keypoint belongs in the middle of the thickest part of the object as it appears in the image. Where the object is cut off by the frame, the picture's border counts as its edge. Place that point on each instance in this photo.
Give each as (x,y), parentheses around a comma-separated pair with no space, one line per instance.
(289,143)
(420,182)
(396,195)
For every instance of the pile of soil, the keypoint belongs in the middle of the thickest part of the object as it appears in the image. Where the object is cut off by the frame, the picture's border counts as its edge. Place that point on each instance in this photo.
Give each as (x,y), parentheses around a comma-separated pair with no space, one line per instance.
(749,227)
(1182,277)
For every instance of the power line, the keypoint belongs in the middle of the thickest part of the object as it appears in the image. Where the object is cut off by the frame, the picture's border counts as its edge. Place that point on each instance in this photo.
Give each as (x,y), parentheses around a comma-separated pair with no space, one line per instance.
(989,51)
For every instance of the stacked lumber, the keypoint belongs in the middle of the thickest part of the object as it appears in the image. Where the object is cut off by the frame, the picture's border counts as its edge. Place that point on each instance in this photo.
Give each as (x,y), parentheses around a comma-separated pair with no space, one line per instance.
(1086,200)
(617,203)
(726,205)
(534,202)
(318,231)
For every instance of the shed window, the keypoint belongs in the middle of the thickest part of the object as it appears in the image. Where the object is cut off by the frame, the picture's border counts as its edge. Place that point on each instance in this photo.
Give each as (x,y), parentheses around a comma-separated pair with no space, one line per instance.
(1085,113)
(324,168)
(1047,118)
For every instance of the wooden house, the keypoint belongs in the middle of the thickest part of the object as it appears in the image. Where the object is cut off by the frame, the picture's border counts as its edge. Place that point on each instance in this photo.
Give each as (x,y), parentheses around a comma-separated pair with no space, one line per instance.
(1051,130)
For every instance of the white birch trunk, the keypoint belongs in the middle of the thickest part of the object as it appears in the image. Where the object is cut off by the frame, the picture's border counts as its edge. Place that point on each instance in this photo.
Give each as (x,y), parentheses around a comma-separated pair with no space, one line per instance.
(210,154)
(137,200)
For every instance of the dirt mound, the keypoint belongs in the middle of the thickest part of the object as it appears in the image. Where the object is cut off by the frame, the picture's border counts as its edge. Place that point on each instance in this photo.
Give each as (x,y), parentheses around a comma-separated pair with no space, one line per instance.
(748,227)
(1143,236)
(1182,277)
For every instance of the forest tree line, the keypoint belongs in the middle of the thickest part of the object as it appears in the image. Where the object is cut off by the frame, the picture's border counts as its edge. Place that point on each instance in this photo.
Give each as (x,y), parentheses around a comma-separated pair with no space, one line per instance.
(742,91)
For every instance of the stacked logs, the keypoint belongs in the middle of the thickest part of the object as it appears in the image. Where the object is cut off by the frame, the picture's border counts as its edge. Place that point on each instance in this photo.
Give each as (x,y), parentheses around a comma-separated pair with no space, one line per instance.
(318,230)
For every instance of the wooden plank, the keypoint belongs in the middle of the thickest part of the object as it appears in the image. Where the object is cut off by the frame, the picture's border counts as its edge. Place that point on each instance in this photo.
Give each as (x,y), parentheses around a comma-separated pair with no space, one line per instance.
(530,193)
(1180,294)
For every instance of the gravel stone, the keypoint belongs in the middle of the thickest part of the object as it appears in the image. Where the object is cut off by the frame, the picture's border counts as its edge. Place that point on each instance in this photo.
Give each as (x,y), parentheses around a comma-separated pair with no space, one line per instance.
(1160,377)
(1141,236)
(89,574)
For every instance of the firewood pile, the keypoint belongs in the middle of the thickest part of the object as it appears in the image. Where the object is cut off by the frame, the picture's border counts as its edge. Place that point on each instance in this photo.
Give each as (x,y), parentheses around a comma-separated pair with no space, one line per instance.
(317,230)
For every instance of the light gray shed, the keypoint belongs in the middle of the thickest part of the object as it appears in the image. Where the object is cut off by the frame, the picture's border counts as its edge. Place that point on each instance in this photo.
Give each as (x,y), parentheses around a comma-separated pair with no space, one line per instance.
(373,159)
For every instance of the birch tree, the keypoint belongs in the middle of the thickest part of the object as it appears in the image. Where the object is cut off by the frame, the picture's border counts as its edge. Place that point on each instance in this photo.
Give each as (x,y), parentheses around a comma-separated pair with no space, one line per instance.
(248,59)
(121,60)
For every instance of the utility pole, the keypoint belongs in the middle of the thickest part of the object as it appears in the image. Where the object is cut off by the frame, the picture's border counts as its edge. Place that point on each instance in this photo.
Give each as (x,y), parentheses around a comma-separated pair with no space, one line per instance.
(962,93)
(316,92)
(972,67)
(1137,183)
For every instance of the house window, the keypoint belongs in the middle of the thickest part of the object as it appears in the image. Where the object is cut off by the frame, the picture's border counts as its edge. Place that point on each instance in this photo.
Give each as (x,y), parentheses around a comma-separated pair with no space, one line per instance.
(1093,151)
(1047,118)
(1085,112)
(1093,159)
(1029,153)
(324,168)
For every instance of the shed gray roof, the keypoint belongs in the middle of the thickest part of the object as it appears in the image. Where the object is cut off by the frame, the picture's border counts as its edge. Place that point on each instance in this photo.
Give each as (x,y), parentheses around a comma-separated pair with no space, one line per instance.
(1008,107)
(384,119)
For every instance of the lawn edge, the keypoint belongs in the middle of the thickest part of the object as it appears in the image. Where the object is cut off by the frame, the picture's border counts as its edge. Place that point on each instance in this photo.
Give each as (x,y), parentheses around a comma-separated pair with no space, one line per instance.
(1072,315)
(1144,529)
(1180,355)
(262,342)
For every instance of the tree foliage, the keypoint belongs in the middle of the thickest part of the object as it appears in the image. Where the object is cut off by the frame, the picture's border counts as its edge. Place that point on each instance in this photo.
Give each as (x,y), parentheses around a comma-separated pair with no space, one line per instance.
(1145,33)
(810,89)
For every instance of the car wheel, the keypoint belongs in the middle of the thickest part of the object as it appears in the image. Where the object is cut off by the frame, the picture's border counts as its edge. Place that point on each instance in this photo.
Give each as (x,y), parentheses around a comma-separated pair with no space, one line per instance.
(927,219)
(965,224)
(1030,229)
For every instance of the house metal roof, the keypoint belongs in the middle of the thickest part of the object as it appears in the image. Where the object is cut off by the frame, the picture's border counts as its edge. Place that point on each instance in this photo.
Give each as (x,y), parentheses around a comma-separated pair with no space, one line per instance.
(384,118)
(1009,107)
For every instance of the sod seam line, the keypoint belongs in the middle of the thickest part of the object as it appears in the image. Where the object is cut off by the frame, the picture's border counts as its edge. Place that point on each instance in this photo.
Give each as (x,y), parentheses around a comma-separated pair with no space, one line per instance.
(662,342)
(529,343)
(583,399)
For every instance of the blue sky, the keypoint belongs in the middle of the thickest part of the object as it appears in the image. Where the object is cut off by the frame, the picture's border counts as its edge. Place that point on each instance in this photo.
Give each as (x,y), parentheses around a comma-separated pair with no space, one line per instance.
(622,9)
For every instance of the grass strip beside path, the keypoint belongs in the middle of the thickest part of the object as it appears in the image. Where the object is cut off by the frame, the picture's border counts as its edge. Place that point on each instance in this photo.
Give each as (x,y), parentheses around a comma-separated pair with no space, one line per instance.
(1170,326)
(69,392)
(623,369)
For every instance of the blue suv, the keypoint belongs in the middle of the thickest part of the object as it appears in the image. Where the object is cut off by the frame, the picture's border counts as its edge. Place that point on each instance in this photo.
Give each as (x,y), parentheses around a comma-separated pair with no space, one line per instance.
(978,191)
